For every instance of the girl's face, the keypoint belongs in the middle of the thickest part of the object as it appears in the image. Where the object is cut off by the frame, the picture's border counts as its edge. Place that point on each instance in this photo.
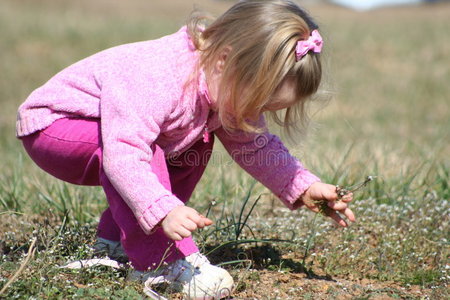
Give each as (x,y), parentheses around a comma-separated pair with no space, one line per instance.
(283,98)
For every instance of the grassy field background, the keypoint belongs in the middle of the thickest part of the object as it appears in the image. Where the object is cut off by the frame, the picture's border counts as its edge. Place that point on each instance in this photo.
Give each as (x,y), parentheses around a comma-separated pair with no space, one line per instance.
(387,114)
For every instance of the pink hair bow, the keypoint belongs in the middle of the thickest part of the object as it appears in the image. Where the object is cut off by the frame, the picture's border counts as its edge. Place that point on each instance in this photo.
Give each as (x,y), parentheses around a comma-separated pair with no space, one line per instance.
(314,43)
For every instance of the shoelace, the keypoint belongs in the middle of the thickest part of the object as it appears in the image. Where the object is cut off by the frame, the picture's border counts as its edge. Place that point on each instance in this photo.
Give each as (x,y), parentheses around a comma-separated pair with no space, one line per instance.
(197,260)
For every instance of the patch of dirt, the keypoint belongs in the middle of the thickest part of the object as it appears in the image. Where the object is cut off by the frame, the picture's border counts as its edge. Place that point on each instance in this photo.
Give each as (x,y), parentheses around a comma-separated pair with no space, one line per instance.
(264,284)
(266,273)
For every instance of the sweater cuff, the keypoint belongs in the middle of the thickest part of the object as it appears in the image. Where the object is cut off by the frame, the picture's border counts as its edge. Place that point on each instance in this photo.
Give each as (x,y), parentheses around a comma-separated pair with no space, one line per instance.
(157,211)
(301,181)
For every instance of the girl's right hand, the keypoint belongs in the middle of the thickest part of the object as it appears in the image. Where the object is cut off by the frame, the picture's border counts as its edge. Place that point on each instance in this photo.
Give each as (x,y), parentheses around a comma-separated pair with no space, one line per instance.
(319,193)
(182,221)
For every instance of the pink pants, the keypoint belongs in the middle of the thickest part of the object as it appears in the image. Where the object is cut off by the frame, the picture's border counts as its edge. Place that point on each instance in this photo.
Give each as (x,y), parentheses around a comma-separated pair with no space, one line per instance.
(71,150)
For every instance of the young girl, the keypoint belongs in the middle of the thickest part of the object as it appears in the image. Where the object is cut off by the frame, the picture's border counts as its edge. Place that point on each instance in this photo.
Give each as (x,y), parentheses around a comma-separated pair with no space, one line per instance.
(125,118)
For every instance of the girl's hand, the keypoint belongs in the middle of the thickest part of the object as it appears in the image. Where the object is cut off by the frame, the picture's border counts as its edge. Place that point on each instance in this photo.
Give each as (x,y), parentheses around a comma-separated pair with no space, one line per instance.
(182,221)
(322,197)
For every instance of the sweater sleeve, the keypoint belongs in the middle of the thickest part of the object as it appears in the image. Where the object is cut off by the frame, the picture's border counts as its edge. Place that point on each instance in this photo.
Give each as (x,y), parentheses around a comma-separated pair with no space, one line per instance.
(264,157)
(128,133)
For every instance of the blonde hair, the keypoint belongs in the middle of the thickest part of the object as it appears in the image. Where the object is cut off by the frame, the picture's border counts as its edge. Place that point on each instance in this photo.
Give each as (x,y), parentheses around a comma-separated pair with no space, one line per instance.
(261,37)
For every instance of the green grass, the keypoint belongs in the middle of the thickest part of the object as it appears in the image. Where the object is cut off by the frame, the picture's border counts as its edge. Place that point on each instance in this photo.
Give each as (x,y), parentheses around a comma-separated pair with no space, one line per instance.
(389,116)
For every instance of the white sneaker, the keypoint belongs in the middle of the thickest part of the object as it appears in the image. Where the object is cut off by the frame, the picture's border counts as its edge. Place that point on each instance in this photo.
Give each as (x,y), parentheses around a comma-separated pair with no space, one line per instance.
(112,249)
(194,276)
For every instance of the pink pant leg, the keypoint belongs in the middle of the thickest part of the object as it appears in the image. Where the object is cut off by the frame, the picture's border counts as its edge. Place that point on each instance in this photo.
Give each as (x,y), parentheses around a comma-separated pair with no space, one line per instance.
(186,170)
(107,227)
(70,149)
(145,251)
(180,176)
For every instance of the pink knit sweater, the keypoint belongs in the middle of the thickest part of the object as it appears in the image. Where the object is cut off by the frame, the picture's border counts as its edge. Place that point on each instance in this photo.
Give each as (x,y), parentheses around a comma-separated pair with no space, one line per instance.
(138,91)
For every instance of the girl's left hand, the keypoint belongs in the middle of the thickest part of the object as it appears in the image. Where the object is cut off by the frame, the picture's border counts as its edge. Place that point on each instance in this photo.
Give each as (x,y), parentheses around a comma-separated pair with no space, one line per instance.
(320,192)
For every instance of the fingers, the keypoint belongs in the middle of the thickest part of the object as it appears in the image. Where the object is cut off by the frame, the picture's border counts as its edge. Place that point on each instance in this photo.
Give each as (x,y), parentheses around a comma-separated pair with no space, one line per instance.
(338,219)
(347,198)
(176,233)
(330,193)
(324,191)
(200,220)
(341,208)
(204,222)
(339,205)
(183,233)
(349,214)
(174,236)
(208,222)
(182,221)
(197,221)
(189,225)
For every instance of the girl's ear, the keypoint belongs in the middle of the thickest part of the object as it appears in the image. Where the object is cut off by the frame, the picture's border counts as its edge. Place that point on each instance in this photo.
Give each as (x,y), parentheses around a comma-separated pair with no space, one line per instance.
(220,64)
